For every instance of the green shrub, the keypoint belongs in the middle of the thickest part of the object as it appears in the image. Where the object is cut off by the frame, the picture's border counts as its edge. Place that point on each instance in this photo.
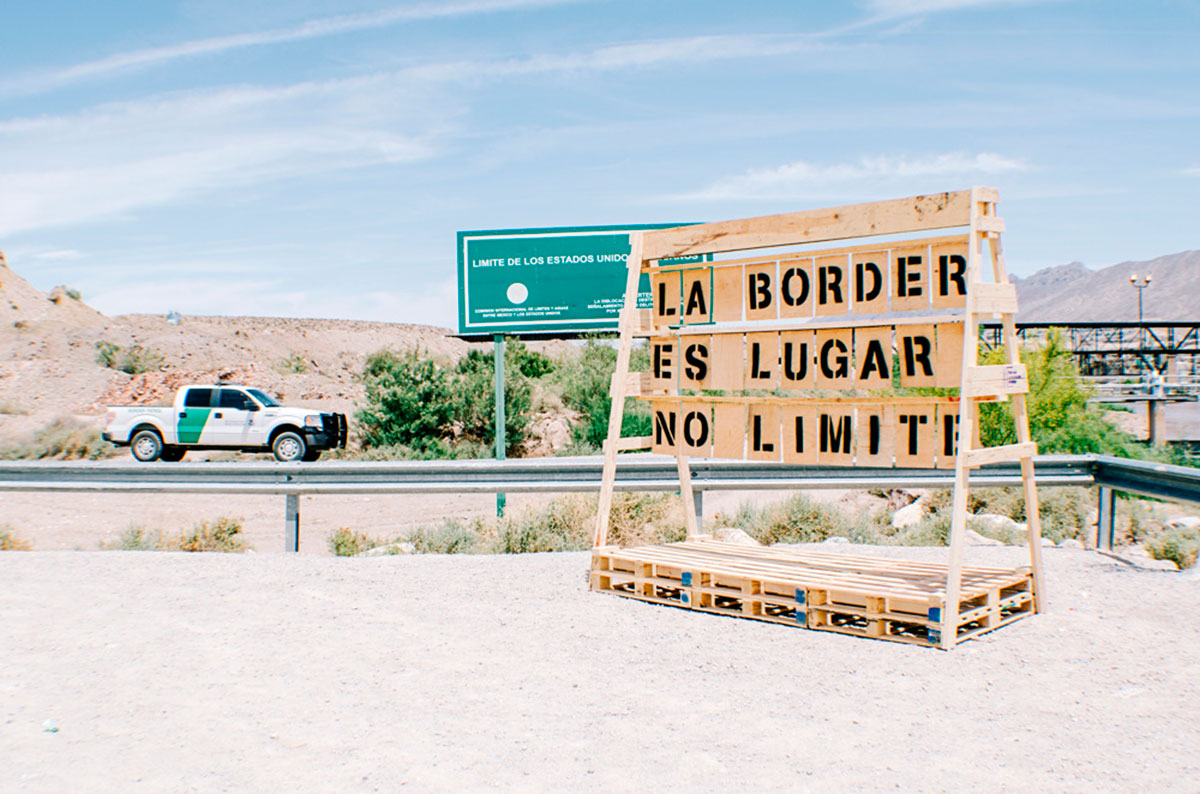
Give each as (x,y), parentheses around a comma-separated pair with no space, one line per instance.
(11,541)
(474,400)
(64,439)
(1177,544)
(585,385)
(73,294)
(565,524)
(219,535)
(407,401)
(1061,420)
(345,542)
(132,360)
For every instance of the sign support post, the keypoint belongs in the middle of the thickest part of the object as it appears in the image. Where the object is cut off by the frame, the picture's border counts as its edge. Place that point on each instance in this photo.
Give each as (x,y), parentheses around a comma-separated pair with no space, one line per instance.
(501,440)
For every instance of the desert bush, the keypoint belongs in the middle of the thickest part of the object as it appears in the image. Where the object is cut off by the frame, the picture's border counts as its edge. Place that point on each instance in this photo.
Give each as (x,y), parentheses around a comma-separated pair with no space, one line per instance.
(564,524)
(1177,544)
(797,519)
(11,541)
(133,360)
(640,518)
(345,542)
(932,530)
(435,449)
(294,364)
(585,384)
(65,439)
(407,401)
(219,535)
(137,538)
(449,537)
(474,398)
(73,293)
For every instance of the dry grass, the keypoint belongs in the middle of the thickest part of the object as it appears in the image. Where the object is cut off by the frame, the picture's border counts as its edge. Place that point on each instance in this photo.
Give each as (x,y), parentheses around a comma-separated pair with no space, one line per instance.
(222,534)
(11,541)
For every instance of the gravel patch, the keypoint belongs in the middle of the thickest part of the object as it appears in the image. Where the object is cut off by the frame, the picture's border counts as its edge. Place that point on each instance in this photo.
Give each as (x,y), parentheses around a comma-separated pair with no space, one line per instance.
(271,672)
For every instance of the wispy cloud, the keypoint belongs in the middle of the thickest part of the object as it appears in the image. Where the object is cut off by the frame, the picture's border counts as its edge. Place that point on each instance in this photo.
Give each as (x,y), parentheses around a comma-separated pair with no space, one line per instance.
(1195,171)
(802,179)
(122,157)
(890,9)
(315,28)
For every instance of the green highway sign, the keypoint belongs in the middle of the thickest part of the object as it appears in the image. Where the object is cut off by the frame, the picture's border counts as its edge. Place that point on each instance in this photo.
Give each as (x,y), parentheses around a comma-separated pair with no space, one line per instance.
(568,280)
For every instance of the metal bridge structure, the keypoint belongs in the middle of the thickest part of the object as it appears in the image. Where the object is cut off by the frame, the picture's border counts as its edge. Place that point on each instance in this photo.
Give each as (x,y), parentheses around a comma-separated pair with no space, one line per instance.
(1120,349)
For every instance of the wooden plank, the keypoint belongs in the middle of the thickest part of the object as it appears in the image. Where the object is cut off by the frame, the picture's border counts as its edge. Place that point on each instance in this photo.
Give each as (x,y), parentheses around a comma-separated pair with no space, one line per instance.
(910,279)
(914,214)
(809,253)
(947,369)
(916,346)
(665,289)
(947,436)
(873,358)
(729,430)
(727,357)
(870,273)
(630,443)
(798,423)
(876,429)
(915,399)
(759,284)
(916,437)
(835,435)
(616,414)
(949,261)
(796,354)
(697,291)
(986,455)
(809,325)
(834,349)
(763,435)
(831,276)
(995,379)
(695,362)
(762,361)
(993,299)
(637,383)
(727,294)
(796,288)
(664,363)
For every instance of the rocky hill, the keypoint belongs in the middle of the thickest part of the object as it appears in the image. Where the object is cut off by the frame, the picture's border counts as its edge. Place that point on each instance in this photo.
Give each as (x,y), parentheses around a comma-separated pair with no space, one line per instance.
(49,367)
(1074,293)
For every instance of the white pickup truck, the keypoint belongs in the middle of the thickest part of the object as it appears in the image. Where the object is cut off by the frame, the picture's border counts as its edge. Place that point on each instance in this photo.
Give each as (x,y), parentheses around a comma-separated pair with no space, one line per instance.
(224,416)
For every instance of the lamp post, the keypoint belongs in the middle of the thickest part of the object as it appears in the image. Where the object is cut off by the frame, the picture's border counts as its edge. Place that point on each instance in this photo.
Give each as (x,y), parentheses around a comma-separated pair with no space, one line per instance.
(1140,284)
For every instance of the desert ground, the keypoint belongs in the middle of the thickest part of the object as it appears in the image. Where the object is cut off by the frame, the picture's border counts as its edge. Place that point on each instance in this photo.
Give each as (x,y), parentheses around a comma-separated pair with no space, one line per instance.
(129,671)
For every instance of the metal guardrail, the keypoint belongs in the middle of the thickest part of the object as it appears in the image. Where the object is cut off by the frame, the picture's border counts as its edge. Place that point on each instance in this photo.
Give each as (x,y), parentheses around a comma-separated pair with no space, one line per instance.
(635,473)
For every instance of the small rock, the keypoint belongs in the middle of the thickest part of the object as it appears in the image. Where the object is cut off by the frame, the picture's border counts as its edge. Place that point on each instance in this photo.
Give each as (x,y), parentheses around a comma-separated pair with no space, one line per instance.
(907,516)
(836,539)
(49,726)
(734,535)
(973,538)
(1070,543)
(1046,541)
(999,523)
(1185,522)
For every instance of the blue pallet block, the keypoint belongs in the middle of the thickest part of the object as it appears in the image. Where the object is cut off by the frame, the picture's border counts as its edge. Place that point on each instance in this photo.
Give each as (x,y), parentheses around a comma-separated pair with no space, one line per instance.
(686,576)
(935,614)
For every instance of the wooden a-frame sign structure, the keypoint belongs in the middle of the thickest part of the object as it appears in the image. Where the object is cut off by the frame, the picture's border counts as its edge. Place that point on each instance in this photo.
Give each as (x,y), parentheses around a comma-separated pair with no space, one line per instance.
(788,357)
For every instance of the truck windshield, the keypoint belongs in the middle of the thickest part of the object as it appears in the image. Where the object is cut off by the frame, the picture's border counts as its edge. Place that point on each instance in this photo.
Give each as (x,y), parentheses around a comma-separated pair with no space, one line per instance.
(262,397)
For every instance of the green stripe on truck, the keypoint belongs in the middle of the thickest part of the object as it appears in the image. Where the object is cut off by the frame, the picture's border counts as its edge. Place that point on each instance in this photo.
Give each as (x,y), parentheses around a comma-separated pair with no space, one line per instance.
(191,425)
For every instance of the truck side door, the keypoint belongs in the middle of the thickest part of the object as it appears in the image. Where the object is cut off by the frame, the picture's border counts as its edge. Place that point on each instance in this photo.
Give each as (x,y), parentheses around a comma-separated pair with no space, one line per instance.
(194,415)
(233,418)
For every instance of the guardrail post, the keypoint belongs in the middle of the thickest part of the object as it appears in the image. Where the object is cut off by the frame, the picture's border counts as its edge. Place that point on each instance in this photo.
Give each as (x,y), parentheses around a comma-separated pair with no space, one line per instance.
(1106,514)
(291,523)
(698,498)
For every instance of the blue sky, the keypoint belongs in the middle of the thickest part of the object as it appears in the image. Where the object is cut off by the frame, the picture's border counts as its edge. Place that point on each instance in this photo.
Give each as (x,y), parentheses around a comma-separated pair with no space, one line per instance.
(311,158)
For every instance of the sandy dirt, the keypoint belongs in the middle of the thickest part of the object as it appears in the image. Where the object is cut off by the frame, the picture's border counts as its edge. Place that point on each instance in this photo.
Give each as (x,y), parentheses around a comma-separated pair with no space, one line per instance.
(273,672)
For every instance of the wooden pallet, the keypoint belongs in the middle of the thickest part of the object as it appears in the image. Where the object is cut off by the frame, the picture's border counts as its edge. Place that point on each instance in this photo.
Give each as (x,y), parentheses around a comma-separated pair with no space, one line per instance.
(898,600)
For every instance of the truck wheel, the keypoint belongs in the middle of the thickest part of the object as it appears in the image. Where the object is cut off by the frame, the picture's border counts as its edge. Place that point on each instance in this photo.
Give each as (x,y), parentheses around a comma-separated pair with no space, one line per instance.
(311,456)
(173,454)
(146,445)
(289,447)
